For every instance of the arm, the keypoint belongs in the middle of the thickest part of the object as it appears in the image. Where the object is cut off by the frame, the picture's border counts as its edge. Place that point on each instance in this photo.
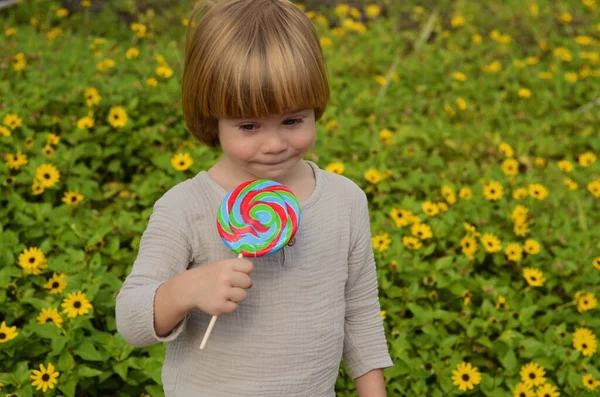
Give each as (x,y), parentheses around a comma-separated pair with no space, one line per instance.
(365,345)
(371,384)
(164,253)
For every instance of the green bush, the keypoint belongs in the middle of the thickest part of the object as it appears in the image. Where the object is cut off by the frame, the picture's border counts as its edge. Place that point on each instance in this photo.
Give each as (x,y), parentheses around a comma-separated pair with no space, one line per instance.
(472,127)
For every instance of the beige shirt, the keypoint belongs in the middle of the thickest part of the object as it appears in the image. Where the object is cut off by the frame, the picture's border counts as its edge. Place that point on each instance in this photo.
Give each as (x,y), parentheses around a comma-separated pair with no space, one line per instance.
(312,304)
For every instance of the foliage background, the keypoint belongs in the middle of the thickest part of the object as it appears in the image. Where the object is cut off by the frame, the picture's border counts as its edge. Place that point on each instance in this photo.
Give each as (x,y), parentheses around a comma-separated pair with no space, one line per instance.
(398,75)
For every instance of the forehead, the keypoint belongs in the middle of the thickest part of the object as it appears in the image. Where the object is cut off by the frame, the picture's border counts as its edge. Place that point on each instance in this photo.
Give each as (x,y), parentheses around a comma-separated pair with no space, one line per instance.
(270,117)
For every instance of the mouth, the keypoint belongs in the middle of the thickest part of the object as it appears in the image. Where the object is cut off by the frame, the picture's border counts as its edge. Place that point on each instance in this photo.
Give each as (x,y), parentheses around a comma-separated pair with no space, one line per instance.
(276,163)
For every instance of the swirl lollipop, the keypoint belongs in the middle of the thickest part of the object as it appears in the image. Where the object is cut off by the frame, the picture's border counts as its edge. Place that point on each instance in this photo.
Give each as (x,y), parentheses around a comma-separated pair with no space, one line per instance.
(255,219)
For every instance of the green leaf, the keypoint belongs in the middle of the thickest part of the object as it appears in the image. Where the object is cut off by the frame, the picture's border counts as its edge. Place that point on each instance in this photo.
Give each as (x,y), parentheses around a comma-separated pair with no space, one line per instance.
(68,387)
(88,351)
(87,372)
(509,362)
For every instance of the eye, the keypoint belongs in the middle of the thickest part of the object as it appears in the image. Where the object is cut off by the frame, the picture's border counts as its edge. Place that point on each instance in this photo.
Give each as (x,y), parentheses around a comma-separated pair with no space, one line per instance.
(294,122)
(247,127)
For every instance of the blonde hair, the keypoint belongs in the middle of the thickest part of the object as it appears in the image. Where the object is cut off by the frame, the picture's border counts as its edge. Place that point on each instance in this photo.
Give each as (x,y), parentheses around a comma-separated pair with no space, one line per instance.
(249,58)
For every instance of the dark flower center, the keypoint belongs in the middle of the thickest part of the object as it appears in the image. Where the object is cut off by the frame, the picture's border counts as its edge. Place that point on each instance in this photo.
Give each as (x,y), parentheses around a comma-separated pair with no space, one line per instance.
(522,394)
(45,377)
(47,176)
(49,320)
(181,163)
(2,336)
(31,260)
(116,117)
(533,278)
(586,302)
(584,346)
(73,198)
(55,284)
(465,377)
(492,191)
(532,376)
(76,304)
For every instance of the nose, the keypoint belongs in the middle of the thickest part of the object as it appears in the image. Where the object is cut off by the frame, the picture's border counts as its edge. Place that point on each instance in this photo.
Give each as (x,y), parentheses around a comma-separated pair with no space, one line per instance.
(275,143)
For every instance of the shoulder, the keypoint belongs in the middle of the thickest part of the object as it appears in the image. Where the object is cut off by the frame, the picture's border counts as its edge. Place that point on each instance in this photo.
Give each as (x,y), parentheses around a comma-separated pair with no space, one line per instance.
(185,195)
(343,187)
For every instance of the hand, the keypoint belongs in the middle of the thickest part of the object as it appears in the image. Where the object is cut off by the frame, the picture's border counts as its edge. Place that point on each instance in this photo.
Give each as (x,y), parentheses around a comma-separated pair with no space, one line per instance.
(219,287)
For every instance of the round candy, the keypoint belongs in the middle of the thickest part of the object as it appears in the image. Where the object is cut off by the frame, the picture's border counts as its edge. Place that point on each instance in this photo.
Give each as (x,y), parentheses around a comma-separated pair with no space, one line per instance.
(258,218)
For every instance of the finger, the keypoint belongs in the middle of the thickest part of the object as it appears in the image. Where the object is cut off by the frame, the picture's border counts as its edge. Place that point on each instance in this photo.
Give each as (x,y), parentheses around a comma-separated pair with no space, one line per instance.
(243,266)
(237,295)
(228,307)
(241,280)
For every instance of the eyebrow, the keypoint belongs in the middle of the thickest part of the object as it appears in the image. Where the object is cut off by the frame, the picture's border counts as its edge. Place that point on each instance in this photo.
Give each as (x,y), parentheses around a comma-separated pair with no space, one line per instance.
(287,114)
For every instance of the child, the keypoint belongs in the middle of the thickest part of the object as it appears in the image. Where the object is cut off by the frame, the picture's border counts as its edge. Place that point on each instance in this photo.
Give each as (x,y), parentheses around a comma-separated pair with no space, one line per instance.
(254,84)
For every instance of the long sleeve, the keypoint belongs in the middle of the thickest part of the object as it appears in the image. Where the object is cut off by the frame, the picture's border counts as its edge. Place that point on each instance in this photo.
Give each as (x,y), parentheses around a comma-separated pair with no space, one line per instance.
(164,252)
(365,346)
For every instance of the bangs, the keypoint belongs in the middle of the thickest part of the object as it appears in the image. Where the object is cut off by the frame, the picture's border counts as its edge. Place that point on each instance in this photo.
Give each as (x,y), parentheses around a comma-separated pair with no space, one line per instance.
(272,64)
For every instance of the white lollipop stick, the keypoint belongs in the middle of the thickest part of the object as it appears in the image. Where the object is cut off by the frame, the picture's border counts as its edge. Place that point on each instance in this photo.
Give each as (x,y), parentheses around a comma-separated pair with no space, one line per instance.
(213,320)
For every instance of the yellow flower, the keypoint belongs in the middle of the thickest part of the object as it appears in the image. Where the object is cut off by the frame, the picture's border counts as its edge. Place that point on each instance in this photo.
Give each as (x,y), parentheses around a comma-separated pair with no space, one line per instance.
(466,377)
(62,12)
(570,184)
(532,247)
(449,110)
(596,262)
(164,71)
(48,151)
(372,11)
(585,341)
(47,174)
(585,301)
(182,161)
(385,136)
(519,193)
(430,208)
(10,32)
(586,159)
(139,29)
(448,194)
(443,207)
(105,64)
(533,374)
(185,21)
(402,217)
(491,243)
(548,390)
(493,191)
(86,3)
(510,167)
(56,284)
(52,139)
(501,305)
(465,193)
(571,77)
(342,10)
(381,80)
(5,131)
(563,54)
(565,166)
(476,38)
(374,176)
(537,191)
(12,121)
(72,198)
(594,187)
(381,242)
(545,75)
(331,125)
(383,314)
(469,246)
(92,97)
(54,33)
(523,390)
(412,243)
(521,228)
(421,231)
(117,117)
(458,21)
(459,76)
(15,161)
(467,297)
(493,67)
(19,62)
(50,315)
(513,252)
(85,123)
(44,378)
(590,382)
(565,17)
(540,162)
(471,230)
(524,93)
(76,304)
(326,41)
(589,3)
(534,277)
(461,103)
(506,150)
(132,53)
(338,31)
(7,333)
(337,168)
